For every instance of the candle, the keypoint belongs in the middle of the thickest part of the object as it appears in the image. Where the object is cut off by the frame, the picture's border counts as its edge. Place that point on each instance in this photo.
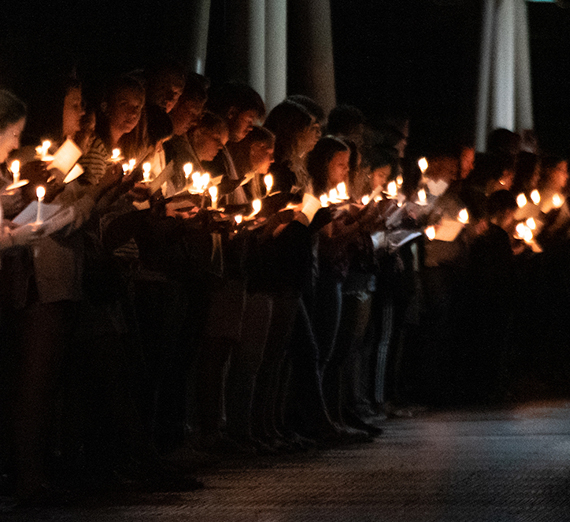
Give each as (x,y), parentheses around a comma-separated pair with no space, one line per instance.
(399,180)
(116,155)
(463,216)
(521,200)
(392,189)
(15,168)
(531,223)
(188,171)
(422,197)
(557,201)
(256,204)
(40,193)
(430,233)
(204,181)
(365,200)
(324,200)
(423,164)
(268,180)
(146,172)
(214,195)
(535,196)
(238,219)
(341,190)
(43,150)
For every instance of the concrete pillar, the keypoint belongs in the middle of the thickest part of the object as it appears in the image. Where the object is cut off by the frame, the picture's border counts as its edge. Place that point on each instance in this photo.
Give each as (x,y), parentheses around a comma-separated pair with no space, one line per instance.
(275,52)
(524,116)
(310,43)
(198,23)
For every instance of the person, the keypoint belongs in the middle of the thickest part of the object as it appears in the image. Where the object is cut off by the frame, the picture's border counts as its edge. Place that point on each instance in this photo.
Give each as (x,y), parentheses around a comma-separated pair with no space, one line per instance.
(164,84)
(291,123)
(240,106)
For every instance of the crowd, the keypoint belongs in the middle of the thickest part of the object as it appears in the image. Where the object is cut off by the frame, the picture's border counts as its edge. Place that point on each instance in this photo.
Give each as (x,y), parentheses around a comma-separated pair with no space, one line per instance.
(206,279)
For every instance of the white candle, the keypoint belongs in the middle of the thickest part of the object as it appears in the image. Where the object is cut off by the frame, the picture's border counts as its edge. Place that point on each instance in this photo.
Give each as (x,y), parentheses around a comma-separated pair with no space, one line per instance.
(40,193)
(15,168)
(146,172)
(268,180)
(214,195)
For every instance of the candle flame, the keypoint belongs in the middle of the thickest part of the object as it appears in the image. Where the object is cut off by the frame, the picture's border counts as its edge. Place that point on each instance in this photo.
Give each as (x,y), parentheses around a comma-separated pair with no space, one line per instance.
(531,223)
(187,170)
(399,180)
(213,191)
(341,190)
(324,200)
(392,189)
(256,204)
(430,233)
(239,219)
(126,168)
(333,196)
(146,171)
(463,216)
(268,180)
(423,164)
(115,154)
(521,200)
(422,196)
(557,201)
(365,200)
(15,168)
(40,192)
(204,181)
(535,196)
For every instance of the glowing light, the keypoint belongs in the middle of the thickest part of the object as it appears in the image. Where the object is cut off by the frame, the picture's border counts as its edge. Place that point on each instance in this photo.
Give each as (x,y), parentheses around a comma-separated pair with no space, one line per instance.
(268,180)
(116,155)
(342,192)
(422,197)
(463,216)
(423,164)
(205,180)
(15,168)
(256,204)
(187,168)
(521,200)
(365,200)
(531,223)
(324,200)
(430,233)
(392,189)
(535,196)
(399,181)
(40,193)
(557,201)
(238,219)
(146,172)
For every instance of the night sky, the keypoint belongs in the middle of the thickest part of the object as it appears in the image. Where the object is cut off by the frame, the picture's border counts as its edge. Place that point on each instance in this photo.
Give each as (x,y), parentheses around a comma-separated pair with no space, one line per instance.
(413,57)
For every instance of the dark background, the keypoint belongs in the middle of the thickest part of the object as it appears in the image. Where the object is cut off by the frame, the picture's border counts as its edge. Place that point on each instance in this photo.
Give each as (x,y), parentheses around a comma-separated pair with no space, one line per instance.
(411,57)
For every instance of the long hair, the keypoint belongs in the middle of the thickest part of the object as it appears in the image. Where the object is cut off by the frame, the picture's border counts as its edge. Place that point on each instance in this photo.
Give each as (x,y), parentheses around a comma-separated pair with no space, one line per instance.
(12,109)
(318,161)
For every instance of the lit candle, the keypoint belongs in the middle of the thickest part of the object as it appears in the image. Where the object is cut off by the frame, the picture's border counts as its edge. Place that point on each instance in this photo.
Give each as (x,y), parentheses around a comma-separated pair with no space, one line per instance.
(535,196)
(521,200)
(238,219)
(365,200)
(463,216)
(531,223)
(422,197)
(204,181)
(399,180)
(188,171)
(214,195)
(430,233)
(268,180)
(341,190)
(423,164)
(324,200)
(43,150)
(256,204)
(557,201)
(146,172)
(15,168)
(116,155)
(40,193)
(392,189)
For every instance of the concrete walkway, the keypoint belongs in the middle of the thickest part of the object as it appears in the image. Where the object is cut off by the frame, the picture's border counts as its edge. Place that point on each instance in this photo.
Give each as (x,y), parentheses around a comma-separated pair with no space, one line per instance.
(508,465)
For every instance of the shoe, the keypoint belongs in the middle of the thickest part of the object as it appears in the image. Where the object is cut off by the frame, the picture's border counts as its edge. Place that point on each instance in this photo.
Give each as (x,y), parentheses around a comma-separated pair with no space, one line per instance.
(354,421)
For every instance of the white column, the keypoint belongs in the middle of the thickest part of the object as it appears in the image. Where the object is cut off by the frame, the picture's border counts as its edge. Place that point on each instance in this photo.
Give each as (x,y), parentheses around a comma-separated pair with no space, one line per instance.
(198,23)
(524,116)
(275,52)
(482,121)
(503,87)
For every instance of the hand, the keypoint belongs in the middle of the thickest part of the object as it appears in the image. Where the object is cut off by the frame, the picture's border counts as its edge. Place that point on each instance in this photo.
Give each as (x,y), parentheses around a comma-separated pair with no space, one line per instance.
(26,234)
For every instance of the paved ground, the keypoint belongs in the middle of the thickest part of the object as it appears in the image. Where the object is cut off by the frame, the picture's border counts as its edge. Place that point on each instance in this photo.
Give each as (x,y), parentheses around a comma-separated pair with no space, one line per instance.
(509,465)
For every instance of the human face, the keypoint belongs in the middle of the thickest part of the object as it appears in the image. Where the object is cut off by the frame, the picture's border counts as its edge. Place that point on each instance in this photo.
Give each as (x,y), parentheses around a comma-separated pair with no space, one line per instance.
(379,177)
(167,91)
(10,138)
(466,161)
(240,123)
(72,112)
(186,115)
(125,110)
(261,157)
(338,168)
(207,143)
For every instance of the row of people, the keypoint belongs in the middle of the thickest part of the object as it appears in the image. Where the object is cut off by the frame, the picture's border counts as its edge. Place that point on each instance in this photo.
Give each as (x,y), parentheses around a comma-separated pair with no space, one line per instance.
(242,314)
